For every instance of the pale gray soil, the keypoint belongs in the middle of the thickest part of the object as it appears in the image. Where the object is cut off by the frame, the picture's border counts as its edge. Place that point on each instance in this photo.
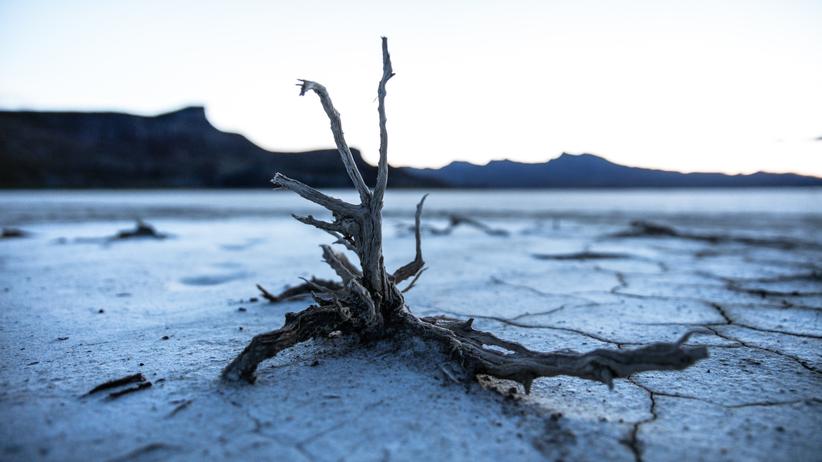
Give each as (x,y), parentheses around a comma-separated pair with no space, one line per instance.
(758,397)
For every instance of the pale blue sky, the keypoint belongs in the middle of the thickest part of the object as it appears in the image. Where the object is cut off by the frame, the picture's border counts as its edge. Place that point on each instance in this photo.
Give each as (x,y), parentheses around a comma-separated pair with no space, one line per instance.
(733,86)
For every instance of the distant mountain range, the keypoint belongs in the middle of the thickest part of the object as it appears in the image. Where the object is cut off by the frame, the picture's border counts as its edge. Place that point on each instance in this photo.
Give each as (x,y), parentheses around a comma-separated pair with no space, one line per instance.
(182,149)
(590,171)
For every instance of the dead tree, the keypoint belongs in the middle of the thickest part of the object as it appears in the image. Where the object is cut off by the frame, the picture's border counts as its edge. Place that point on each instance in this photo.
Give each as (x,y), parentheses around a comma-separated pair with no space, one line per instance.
(369,303)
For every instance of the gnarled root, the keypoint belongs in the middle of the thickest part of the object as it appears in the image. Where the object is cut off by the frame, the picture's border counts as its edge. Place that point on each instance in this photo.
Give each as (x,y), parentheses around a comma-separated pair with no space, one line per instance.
(476,351)
(510,360)
(368,302)
(314,322)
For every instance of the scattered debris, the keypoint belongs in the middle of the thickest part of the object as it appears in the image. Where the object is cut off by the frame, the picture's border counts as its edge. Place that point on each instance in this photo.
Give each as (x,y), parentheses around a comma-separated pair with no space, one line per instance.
(126,391)
(141,230)
(142,452)
(641,228)
(12,233)
(241,309)
(181,404)
(138,378)
(455,220)
(586,255)
(60,339)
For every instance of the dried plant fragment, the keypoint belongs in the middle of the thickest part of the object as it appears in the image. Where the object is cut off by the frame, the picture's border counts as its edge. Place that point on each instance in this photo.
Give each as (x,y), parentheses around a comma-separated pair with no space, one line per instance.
(367,302)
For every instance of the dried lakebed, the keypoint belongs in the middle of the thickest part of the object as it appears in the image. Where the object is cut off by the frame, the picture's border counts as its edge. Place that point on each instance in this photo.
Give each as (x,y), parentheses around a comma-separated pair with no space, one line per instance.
(78,311)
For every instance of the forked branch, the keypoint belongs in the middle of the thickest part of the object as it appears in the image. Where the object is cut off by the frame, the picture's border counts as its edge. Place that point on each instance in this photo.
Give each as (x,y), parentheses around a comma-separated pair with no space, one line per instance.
(339,139)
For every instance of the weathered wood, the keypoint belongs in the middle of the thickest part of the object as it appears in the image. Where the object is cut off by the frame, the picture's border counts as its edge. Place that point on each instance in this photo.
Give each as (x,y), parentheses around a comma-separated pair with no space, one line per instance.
(512,361)
(382,166)
(314,322)
(368,302)
(299,291)
(414,267)
(339,139)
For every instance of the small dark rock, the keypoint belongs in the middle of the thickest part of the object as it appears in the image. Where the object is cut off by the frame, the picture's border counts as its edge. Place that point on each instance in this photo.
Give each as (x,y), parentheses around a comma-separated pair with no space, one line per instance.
(101,311)
(62,338)
(253,300)
(165,337)
(141,230)
(10,233)
(314,363)
(241,309)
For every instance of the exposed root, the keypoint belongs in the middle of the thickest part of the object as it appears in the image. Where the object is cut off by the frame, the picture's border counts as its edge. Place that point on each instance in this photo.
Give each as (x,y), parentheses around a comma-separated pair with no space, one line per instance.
(314,322)
(300,291)
(484,353)
(368,303)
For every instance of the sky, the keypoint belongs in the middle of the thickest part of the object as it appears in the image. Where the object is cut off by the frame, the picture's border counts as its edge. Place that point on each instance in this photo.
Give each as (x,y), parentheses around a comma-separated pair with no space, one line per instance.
(719,85)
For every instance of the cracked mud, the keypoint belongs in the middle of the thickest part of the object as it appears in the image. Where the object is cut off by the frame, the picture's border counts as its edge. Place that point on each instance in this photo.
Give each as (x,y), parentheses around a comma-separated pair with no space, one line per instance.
(755,295)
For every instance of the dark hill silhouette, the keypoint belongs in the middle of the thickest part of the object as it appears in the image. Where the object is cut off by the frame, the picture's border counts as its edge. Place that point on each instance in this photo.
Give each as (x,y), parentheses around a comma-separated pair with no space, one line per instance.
(590,171)
(182,149)
(177,149)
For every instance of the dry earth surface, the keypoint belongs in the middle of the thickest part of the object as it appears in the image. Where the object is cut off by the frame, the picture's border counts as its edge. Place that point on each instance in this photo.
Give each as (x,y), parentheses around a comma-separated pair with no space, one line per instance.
(77,310)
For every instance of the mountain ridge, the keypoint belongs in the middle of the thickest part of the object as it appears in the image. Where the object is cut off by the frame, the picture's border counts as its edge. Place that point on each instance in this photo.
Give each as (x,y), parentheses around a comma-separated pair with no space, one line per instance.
(592,171)
(182,149)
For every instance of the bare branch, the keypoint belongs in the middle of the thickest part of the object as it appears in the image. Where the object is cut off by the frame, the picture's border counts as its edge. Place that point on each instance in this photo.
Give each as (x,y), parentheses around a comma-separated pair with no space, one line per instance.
(313,195)
(339,263)
(382,167)
(339,139)
(299,291)
(414,281)
(343,241)
(323,225)
(366,310)
(343,259)
(416,265)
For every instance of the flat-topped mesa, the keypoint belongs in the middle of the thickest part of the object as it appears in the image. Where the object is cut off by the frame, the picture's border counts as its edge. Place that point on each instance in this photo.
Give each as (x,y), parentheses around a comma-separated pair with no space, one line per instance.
(368,303)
